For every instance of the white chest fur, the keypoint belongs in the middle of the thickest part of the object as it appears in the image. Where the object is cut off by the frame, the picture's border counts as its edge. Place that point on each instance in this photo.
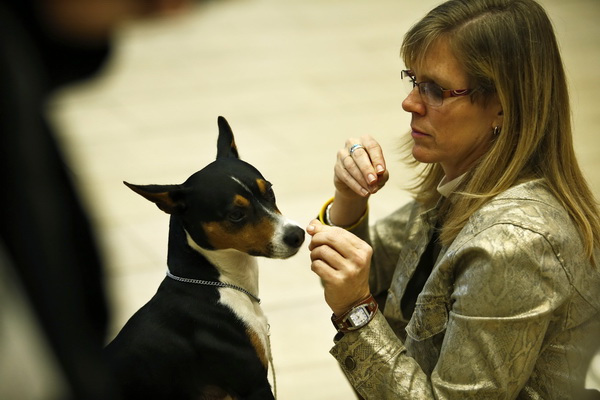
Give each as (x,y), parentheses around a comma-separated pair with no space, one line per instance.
(250,313)
(239,269)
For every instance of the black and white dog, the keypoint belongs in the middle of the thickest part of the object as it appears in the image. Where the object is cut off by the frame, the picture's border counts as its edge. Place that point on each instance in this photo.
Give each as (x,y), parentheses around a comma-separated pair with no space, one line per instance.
(203,335)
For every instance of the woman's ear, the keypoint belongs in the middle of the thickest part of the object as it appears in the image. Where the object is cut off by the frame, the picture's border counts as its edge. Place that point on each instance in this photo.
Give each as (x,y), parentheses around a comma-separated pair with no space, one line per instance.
(499,120)
(497,111)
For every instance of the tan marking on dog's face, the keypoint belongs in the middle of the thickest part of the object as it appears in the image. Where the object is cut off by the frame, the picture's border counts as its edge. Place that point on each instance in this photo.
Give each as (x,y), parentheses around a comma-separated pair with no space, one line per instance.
(254,238)
(258,346)
(241,201)
(263,186)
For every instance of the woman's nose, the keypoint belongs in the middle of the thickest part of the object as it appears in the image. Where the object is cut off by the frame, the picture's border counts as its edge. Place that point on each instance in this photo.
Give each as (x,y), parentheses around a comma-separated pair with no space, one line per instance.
(413,103)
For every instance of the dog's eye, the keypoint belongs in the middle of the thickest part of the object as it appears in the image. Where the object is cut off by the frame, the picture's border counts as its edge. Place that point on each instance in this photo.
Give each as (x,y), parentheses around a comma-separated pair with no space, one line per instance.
(236,216)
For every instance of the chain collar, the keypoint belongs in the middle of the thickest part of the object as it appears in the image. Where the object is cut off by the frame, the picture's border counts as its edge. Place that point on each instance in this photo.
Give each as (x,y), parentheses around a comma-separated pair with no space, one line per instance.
(212,283)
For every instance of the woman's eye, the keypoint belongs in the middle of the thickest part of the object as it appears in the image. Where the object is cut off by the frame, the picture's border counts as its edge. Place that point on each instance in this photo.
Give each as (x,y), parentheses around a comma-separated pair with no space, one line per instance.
(433,90)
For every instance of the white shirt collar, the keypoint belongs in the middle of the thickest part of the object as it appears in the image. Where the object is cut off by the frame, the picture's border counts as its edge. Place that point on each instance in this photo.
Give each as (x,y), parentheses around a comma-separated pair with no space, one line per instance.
(447,188)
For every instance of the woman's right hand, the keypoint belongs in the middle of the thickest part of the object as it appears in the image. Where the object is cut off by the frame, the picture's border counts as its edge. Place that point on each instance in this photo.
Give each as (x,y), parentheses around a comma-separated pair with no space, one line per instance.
(359,172)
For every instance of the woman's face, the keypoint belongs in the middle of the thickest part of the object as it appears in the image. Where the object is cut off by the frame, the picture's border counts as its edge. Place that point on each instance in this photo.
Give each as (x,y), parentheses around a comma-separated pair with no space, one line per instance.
(458,132)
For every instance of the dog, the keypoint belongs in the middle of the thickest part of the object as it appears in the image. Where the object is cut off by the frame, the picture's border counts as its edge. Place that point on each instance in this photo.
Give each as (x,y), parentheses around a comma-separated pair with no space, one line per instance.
(203,335)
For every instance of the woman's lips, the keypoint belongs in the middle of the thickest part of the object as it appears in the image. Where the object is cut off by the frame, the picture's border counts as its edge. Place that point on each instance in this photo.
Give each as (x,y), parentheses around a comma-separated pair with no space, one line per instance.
(417,133)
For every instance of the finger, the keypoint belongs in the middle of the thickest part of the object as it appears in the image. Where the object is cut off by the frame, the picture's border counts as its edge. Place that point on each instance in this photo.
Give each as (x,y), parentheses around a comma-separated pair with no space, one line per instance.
(348,172)
(375,154)
(383,178)
(329,256)
(360,163)
(369,160)
(346,244)
(315,226)
(327,238)
(359,154)
(324,271)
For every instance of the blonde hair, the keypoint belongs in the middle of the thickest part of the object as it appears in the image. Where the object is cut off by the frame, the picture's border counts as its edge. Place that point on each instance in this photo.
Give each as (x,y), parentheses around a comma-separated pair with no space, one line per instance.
(509,50)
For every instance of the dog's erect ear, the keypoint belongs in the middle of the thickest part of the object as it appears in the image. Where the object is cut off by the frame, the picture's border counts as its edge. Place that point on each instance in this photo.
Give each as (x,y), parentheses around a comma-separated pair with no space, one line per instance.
(167,197)
(226,143)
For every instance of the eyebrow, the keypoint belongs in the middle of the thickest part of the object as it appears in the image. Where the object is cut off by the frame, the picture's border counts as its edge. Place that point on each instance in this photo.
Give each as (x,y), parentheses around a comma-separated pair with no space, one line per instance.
(432,79)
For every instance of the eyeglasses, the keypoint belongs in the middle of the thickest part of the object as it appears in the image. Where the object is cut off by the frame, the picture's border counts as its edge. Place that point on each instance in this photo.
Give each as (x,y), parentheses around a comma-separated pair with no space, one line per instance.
(431,93)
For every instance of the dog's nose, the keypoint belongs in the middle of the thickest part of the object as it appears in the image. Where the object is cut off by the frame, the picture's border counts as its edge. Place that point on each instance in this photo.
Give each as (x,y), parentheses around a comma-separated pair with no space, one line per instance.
(294,236)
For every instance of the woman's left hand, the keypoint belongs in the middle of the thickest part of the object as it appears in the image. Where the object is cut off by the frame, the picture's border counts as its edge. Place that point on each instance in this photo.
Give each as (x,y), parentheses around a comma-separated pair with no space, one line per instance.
(342,261)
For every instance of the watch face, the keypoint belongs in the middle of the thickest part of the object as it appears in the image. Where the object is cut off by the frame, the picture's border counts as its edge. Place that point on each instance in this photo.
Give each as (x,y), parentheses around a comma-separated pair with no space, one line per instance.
(359,316)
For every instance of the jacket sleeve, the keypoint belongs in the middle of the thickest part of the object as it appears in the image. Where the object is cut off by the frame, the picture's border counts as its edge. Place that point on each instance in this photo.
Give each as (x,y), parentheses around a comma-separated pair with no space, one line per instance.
(506,283)
(377,366)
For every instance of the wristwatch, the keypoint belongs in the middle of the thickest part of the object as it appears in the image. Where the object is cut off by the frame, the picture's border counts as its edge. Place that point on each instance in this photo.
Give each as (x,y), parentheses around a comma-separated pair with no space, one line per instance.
(357,316)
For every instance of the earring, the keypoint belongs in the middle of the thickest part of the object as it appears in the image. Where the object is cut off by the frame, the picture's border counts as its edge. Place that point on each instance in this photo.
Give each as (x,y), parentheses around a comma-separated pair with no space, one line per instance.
(496,130)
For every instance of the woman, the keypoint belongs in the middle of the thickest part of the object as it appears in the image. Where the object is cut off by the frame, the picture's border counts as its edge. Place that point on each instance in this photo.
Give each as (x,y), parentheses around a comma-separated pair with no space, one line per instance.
(488,281)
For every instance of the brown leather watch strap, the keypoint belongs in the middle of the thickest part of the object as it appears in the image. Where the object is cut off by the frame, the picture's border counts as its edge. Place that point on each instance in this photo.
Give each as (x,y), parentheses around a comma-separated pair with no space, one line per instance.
(359,315)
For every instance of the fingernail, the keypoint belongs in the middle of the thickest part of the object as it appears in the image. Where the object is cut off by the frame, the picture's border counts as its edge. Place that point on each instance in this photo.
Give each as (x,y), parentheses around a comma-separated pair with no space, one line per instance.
(364,192)
(371,178)
(310,228)
(380,168)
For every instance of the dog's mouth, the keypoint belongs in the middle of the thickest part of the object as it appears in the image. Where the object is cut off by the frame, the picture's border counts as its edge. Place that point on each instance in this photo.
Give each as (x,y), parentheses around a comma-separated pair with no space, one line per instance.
(282,253)
(285,244)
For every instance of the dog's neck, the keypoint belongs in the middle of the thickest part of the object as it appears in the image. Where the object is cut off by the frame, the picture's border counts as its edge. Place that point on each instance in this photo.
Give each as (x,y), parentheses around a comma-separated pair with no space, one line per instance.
(235,268)
(184,261)
(188,260)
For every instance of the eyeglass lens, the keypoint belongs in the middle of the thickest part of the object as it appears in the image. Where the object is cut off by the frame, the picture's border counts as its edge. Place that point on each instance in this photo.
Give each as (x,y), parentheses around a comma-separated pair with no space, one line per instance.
(430,92)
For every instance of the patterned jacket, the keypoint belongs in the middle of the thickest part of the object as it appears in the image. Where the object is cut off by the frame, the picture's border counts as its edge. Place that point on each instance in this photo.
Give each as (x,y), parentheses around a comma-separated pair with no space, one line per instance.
(510,310)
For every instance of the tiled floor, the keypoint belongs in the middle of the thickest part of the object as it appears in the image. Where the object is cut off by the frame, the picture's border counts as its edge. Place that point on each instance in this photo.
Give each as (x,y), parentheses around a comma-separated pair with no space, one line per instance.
(294,78)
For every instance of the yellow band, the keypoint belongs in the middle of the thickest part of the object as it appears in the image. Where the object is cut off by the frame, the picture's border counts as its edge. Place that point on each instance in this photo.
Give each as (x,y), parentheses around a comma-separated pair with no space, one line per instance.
(323,216)
(324,210)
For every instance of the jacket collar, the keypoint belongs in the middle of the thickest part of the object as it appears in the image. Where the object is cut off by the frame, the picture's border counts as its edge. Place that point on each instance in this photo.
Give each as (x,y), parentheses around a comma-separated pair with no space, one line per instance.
(446,188)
